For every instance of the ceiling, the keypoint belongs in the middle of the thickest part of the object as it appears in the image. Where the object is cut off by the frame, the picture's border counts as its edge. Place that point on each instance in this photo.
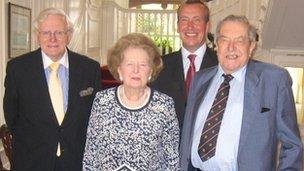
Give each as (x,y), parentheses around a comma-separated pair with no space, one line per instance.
(164,3)
(284,25)
(134,3)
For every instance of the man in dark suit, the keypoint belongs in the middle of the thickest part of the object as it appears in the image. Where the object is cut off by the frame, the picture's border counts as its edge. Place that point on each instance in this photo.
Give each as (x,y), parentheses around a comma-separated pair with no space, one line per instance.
(193,26)
(49,127)
(239,111)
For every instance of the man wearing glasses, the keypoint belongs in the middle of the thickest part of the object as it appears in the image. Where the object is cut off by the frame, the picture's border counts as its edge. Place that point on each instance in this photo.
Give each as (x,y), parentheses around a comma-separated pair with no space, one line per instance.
(48,98)
(239,111)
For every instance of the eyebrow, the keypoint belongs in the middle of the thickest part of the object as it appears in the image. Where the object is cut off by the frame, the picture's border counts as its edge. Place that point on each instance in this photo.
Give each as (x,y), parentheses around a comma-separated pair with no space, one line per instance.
(200,17)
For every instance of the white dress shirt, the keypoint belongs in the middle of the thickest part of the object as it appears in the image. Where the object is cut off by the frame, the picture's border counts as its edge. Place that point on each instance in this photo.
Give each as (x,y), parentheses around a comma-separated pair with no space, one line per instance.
(200,52)
(225,158)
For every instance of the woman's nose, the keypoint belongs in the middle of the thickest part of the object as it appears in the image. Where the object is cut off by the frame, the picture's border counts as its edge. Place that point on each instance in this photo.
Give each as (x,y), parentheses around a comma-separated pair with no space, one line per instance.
(136,68)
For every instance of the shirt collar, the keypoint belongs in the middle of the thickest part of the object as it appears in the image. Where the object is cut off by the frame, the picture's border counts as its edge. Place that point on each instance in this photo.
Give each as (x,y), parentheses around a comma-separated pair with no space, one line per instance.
(201,50)
(47,60)
(238,75)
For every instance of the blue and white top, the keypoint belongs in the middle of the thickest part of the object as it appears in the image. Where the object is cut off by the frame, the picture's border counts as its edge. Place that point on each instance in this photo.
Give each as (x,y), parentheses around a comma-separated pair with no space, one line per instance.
(142,139)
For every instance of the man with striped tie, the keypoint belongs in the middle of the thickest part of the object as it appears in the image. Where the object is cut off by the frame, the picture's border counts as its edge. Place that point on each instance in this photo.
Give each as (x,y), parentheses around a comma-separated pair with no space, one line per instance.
(239,111)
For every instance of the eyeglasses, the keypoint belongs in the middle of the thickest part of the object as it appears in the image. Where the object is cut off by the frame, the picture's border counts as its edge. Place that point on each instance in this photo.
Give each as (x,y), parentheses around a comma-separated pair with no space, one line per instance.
(237,41)
(58,34)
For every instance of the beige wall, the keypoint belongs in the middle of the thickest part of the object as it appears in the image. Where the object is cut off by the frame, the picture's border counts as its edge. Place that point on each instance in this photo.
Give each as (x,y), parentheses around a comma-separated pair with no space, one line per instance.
(2,56)
(122,3)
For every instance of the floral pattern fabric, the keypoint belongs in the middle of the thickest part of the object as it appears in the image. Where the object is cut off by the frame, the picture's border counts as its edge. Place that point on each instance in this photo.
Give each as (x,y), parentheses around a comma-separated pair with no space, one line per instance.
(141,139)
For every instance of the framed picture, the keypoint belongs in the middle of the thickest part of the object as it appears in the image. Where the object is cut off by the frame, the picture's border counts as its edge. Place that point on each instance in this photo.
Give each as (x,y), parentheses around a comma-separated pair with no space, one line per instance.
(19,30)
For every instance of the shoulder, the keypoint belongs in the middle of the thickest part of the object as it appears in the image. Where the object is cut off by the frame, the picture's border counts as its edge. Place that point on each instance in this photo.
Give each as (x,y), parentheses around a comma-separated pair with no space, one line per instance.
(262,68)
(268,73)
(25,59)
(105,98)
(162,97)
(107,94)
(171,62)
(209,59)
(211,53)
(172,57)
(163,106)
(82,59)
(206,71)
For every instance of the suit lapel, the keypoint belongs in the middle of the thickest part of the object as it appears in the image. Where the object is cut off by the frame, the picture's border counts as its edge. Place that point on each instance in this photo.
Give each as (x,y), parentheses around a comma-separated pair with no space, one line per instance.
(41,87)
(250,104)
(179,72)
(74,80)
(209,59)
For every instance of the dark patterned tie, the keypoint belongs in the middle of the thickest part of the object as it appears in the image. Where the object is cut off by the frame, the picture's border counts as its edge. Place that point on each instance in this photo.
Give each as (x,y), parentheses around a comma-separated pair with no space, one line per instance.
(190,72)
(206,148)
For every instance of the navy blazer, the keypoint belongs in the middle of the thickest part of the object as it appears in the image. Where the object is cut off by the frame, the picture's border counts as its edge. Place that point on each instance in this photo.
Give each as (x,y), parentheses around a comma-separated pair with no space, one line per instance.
(31,118)
(171,79)
(269,117)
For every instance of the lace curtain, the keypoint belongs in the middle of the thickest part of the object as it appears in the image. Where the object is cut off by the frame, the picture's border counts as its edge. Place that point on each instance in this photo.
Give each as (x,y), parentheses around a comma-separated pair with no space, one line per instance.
(78,10)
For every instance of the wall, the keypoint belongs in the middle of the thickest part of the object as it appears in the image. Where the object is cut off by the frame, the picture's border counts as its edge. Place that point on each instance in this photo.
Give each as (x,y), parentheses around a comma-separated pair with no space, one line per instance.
(122,3)
(3,43)
(2,54)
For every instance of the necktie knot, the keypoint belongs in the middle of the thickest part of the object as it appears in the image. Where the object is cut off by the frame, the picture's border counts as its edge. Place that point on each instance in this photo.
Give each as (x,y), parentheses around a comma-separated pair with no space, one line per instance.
(54,66)
(227,77)
(191,57)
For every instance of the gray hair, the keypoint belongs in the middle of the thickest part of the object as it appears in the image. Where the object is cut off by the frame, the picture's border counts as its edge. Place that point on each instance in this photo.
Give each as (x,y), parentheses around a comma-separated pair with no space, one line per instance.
(52,11)
(252,32)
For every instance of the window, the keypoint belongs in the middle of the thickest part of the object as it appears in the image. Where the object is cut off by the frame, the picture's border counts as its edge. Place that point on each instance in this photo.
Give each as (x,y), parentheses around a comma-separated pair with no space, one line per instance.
(297,75)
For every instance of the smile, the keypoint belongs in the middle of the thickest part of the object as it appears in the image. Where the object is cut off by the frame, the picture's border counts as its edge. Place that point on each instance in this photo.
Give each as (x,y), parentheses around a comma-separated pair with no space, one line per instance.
(232,56)
(191,34)
(52,46)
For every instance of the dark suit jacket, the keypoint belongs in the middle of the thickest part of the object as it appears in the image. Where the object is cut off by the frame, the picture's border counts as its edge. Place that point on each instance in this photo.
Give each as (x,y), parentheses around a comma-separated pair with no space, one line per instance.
(31,118)
(269,117)
(171,79)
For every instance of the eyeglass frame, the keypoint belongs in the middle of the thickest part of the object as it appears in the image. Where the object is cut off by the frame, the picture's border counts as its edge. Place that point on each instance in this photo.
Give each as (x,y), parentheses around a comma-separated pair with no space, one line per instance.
(57,33)
(241,40)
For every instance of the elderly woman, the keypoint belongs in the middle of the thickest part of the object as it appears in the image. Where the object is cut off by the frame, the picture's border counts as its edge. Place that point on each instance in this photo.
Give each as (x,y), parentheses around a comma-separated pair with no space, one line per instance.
(132,126)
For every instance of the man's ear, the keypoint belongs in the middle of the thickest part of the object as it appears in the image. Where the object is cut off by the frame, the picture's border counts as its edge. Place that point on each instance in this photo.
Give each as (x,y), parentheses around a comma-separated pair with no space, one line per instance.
(70,34)
(252,47)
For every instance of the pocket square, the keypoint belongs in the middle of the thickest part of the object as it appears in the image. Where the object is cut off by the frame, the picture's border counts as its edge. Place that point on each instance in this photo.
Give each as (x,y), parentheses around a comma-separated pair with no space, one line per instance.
(264,109)
(86,92)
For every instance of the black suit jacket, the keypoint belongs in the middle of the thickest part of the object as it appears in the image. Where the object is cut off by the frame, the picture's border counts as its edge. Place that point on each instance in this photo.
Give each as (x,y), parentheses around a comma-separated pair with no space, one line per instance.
(171,79)
(31,118)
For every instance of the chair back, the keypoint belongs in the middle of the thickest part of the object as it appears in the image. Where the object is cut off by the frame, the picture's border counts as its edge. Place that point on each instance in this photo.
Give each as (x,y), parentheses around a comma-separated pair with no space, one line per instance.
(107,80)
(1,166)
(6,139)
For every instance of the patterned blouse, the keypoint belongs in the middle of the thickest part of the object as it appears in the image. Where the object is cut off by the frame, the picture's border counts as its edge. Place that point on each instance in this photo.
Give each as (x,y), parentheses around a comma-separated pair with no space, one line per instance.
(141,139)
